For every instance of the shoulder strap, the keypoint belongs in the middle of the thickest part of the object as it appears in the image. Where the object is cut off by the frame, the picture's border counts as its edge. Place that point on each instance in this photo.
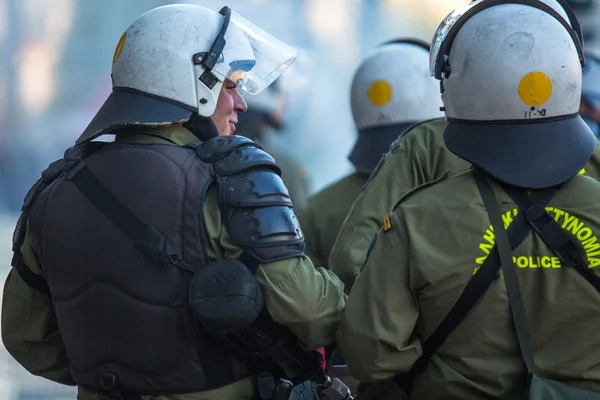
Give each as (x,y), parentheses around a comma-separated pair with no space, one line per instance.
(510,272)
(32,280)
(145,237)
(472,293)
(553,235)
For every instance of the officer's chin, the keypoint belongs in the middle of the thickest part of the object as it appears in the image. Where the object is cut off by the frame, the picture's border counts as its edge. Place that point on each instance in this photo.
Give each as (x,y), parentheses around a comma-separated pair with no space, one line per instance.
(232,129)
(227,130)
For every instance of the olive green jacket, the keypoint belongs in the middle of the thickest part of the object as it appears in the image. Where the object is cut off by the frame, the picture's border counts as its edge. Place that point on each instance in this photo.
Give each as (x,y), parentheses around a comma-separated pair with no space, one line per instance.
(418,157)
(306,299)
(324,215)
(433,242)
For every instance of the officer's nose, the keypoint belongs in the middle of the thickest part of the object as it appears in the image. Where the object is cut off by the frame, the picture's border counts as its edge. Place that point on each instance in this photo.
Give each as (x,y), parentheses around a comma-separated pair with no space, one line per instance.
(239,103)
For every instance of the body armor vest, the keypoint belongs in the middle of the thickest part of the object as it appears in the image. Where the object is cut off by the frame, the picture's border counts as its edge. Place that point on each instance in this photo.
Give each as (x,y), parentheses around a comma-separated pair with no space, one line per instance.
(124,319)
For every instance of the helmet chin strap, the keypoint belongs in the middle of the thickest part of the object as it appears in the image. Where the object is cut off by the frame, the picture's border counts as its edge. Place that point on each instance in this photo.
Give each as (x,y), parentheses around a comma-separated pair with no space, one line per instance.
(202,127)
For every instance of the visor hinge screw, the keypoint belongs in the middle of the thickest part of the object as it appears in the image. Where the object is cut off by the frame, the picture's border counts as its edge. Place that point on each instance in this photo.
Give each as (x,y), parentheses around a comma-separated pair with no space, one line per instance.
(203,101)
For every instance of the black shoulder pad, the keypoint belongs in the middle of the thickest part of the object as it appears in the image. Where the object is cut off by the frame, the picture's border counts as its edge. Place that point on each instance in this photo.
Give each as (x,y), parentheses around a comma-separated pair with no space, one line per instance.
(258,214)
(216,148)
(254,188)
(33,194)
(49,175)
(19,232)
(83,150)
(72,154)
(32,280)
(55,169)
(30,197)
(245,158)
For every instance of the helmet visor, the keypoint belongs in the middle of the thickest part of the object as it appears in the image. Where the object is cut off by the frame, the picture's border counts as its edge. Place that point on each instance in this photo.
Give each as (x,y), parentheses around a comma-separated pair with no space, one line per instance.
(440,36)
(252,58)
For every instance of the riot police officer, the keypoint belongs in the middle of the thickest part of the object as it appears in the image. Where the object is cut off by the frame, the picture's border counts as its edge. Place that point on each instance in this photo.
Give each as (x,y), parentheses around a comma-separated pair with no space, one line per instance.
(419,157)
(148,267)
(428,308)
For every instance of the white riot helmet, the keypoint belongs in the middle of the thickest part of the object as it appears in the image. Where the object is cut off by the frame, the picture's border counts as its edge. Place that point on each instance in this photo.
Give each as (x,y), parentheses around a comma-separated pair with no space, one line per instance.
(566,11)
(511,87)
(391,90)
(170,65)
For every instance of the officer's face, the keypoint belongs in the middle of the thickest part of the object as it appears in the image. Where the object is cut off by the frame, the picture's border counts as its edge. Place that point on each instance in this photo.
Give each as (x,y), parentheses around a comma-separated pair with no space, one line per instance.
(229,105)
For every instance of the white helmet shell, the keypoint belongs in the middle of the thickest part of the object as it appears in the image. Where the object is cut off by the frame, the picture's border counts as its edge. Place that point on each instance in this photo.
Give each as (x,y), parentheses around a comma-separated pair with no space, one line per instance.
(158,49)
(391,90)
(392,86)
(160,73)
(512,94)
(526,74)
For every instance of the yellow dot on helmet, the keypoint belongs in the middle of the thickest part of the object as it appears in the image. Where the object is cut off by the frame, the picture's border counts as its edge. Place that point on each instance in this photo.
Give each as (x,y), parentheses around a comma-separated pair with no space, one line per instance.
(120,46)
(535,89)
(380,93)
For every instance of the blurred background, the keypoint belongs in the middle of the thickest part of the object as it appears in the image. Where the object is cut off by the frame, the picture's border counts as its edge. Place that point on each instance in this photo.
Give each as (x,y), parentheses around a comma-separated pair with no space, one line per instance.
(55,60)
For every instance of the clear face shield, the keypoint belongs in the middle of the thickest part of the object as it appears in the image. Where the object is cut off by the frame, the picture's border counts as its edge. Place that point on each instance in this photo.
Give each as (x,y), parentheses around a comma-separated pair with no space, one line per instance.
(247,55)
(447,30)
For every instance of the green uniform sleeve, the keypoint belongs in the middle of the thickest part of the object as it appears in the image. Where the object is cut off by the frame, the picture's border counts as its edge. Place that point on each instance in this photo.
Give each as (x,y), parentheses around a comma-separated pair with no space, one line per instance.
(306,299)
(29,327)
(419,157)
(376,331)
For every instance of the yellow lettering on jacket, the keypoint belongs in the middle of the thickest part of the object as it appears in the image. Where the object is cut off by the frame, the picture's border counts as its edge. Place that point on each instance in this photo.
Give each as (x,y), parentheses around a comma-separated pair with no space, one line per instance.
(570,223)
(536,262)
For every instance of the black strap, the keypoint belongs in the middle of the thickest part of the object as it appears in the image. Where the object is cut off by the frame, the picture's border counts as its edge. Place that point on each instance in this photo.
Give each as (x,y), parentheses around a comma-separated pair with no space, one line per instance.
(250,262)
(472,293)
(558,240)
(32,280)
(510,272)
(145,237)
